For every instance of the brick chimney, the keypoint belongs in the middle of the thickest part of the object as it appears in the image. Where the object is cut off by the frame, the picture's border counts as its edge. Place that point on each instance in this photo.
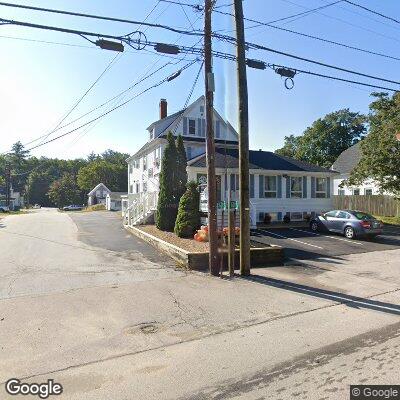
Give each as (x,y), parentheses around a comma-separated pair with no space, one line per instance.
(163,108)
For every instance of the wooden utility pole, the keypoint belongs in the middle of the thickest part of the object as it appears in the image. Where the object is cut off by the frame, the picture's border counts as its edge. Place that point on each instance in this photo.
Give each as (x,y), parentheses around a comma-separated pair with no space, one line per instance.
(210,144)
(244,206)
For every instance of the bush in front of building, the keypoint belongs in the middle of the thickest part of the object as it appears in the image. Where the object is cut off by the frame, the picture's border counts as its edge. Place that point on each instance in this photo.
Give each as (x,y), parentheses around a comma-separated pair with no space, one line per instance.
(188,219)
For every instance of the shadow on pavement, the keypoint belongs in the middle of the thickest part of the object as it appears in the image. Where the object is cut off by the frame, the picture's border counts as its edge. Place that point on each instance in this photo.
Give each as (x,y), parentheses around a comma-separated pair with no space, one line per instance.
(346,299)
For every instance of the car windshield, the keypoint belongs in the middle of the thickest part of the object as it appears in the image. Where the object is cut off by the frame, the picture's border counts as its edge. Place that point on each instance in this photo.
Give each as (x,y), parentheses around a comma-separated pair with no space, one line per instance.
(363,216)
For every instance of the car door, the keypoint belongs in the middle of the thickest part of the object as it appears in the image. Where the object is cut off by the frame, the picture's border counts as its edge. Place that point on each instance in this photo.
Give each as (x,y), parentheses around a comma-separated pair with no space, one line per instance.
(328,219)
(340,221)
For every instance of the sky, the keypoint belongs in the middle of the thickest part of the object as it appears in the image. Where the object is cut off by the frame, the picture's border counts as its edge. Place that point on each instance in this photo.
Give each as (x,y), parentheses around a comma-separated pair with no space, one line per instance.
(40,82)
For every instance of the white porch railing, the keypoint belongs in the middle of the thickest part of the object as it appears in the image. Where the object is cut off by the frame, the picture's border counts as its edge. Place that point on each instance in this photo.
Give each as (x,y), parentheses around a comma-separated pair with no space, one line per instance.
(141,206)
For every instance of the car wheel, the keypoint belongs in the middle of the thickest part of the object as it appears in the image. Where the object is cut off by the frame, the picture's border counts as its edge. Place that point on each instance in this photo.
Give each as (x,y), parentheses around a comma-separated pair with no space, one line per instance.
(314,226)
(349,233)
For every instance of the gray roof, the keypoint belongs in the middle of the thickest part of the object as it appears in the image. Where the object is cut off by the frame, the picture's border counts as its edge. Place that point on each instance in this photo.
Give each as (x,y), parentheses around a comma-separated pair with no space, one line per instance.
(117,195)
(258,159)
(348,159)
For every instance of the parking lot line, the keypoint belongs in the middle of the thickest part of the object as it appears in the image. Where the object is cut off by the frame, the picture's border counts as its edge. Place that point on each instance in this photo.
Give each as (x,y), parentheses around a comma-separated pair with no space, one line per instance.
(294,240)
(331,237)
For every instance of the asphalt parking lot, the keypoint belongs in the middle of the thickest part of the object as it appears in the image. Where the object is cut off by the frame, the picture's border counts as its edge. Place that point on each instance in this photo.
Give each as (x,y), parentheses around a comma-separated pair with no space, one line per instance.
(302,244)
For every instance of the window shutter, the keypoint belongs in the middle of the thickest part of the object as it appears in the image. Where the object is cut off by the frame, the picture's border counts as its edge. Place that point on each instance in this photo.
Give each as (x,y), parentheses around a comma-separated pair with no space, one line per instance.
(203,127)
(313,187)
(279,216)
(251,186)
(233,188)
(304,187)
(217,129)
(261,186)
(198,127)
(328,187)
(288,187)
(279,188)
(185,125)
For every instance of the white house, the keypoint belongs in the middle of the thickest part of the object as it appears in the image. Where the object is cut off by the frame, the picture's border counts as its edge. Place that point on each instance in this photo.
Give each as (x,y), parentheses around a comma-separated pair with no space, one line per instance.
(16,199)
(344,164)
(114,201)
(98,194)
(279,185)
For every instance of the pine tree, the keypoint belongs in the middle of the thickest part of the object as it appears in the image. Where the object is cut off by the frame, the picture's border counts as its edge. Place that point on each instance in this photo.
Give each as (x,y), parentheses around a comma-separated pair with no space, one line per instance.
(181,165)
(188,219)
(167,205)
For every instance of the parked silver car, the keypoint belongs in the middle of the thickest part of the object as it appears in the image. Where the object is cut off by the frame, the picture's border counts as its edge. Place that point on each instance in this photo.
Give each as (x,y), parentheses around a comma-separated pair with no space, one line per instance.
(73,207)
(349,223)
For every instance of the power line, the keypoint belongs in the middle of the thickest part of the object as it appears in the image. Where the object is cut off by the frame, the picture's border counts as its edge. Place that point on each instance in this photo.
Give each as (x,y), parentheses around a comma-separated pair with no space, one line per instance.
(100,17)
(166,79)
(372,11)
(269,25)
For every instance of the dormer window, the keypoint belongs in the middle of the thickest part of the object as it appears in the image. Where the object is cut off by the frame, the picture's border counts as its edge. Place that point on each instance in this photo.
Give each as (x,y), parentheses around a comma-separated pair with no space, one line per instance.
(192,126)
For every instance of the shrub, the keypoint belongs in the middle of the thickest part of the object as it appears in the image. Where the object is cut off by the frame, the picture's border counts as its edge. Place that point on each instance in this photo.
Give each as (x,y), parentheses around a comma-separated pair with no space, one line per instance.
(286,219)
(267,218)
(188,219)
(96,207)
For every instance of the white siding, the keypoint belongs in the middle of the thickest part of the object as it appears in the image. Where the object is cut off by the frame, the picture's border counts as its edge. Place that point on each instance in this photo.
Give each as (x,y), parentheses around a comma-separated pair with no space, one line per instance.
(349,190)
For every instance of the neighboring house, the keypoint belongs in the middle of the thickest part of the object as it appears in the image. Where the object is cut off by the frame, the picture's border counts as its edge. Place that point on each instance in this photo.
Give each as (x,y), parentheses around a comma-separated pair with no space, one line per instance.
(279,185)
(344,164)
(16,199)
(113,201)
(98,194)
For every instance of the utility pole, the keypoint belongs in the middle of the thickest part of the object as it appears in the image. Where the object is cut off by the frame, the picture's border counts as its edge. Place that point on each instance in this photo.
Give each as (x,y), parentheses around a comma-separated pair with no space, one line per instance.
(244,206)
(210,144)
(8,184)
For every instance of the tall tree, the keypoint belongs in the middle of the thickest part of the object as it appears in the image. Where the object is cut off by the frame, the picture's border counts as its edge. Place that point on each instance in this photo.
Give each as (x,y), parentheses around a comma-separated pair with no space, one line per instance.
(167,203)
(326,138)
(114,176)
(17,159)
(65,191)
(181,165)
(380,149)
(38,185)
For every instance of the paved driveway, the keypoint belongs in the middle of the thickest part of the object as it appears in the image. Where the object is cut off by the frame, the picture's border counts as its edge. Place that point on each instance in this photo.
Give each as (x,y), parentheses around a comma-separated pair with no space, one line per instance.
(302,244)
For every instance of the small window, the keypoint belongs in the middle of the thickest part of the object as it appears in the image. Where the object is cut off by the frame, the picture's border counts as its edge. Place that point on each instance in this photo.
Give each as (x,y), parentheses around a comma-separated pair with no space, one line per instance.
(331,213)
(368,192)
(296,216)
(192,126)
(342,215)
(131,189)
(137,187)
(320,188)
(356,192)
(144,163)
(201,109)
(296,187)
(341,192)
(270,186)
(144,187)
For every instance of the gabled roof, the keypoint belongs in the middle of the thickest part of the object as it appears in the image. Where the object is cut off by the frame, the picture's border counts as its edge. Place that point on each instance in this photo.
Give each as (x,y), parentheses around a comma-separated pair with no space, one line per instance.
(348,159)
(258,159)
(93,191)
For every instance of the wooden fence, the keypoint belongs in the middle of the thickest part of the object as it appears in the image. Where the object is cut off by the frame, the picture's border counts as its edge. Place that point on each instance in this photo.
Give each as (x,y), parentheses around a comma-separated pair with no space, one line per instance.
(386,206)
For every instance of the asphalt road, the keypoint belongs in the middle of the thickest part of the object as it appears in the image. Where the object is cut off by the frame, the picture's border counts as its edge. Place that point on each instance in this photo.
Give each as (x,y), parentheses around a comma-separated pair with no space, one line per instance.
(302,244)
(108,321)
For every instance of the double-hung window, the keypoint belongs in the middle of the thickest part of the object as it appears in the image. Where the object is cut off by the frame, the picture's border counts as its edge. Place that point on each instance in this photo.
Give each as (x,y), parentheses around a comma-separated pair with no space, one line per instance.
(192,126)
(296,187)
(144,163)
(270,186)
(320,188)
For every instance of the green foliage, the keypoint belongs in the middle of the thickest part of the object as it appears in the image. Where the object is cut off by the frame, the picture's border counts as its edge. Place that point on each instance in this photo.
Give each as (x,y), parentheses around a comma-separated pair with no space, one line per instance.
(114,176)
(96,207)
(167,202)
(380,159)
(64,191)
(326,138)
(188,219)
(38,185)
(181,165)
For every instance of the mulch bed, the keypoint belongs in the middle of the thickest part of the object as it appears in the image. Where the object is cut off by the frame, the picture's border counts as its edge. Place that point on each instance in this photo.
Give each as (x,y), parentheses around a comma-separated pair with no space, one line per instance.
(189,244)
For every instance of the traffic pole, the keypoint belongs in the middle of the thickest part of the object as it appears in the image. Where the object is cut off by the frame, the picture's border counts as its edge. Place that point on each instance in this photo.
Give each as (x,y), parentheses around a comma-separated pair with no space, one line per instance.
(210,144)
(244,204)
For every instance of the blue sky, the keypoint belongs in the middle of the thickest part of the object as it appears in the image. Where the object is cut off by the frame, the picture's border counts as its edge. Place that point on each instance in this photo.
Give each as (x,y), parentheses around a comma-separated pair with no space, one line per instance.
(40,82)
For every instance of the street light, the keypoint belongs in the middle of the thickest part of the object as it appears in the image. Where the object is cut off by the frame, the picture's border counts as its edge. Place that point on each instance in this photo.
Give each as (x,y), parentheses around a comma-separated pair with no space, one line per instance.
(109,45)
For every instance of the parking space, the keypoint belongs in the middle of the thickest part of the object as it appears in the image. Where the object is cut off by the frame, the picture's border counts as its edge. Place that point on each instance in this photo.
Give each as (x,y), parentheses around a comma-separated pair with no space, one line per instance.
(302,244)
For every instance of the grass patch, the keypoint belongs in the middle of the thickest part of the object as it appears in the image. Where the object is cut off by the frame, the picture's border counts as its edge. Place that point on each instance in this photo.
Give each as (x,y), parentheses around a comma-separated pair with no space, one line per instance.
(96,207)
(389,220)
